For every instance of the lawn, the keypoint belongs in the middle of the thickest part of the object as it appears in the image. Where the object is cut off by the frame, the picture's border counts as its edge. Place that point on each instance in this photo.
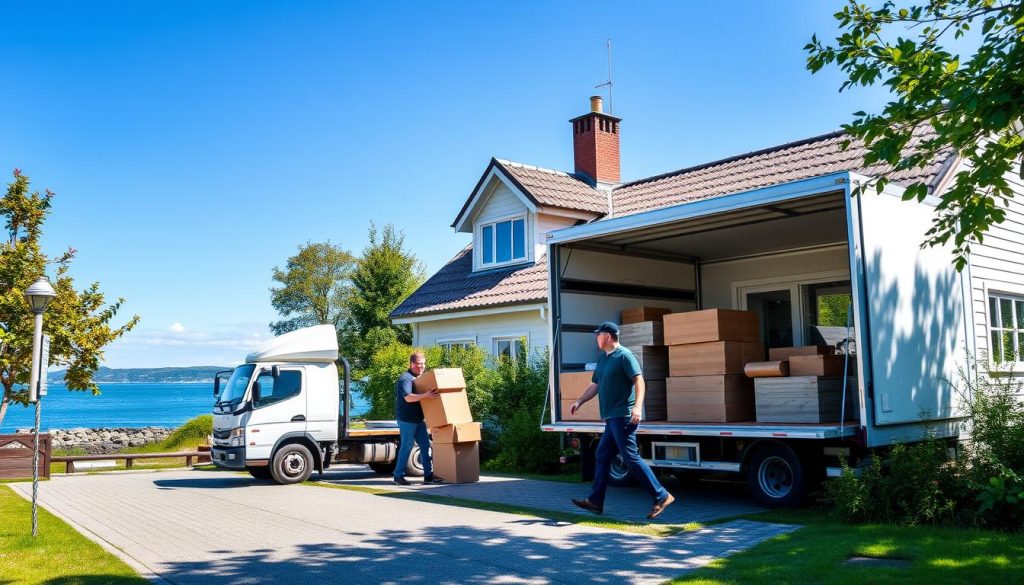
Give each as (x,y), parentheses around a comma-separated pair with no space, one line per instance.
(58,556)
(815,555)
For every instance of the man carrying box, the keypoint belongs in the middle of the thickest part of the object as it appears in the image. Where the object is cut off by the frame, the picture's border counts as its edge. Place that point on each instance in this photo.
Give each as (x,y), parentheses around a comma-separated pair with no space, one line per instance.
(619,386)
(410,421)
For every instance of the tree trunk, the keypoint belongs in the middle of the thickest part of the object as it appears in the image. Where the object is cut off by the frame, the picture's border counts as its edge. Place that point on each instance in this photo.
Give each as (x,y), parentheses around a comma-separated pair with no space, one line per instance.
(5,401)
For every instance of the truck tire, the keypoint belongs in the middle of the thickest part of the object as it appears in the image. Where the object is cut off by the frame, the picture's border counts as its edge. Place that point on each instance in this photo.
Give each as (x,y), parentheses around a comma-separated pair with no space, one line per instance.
(383,468)
(293,463)
(413,467)
(261,472)
(775,476)
(618,473)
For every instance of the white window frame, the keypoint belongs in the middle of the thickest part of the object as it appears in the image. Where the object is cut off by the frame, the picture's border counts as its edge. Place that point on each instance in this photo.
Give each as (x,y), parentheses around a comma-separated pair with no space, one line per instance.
(793,284)
(448,342)
(511,337)
(493,223)
(1018,364)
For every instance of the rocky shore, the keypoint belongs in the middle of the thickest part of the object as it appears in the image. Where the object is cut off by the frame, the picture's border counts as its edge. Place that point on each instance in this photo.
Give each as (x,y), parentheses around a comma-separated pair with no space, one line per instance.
(106,440)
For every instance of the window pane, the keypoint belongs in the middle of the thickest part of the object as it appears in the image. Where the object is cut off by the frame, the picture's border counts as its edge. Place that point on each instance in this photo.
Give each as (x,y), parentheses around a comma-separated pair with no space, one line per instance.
(519,239)
(520,348)
(993,311)
(503,241)
(1006,313)
(1020,347)
(1020,314)
(488,244)
(288,384)
(996,351)
(1008,346)
(504,347)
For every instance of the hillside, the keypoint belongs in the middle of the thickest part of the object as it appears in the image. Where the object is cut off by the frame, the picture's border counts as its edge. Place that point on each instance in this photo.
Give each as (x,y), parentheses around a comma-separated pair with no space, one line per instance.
(147,375)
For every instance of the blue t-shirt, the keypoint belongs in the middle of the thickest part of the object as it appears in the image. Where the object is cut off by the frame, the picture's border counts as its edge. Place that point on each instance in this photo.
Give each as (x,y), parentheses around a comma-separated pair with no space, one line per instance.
(614,378)
(406,411)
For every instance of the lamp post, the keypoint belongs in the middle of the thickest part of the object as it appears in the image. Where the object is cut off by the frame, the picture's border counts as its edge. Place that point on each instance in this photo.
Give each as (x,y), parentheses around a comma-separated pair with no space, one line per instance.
(38,296)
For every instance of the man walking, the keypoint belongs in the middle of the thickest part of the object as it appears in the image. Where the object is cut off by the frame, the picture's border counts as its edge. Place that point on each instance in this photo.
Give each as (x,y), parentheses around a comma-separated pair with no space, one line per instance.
(619,385)
(410,421)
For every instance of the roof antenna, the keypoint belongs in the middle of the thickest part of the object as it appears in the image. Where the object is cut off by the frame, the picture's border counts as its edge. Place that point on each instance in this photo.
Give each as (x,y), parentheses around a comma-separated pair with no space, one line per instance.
(608,84)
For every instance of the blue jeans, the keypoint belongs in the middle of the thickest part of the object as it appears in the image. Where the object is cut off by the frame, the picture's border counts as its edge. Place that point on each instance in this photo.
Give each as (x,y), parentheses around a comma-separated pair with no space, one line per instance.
(409,432)
(620,437)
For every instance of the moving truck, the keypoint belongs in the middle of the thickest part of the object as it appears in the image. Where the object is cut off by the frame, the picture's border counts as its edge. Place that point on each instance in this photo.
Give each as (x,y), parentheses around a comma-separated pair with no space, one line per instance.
(785,252)
(284,413)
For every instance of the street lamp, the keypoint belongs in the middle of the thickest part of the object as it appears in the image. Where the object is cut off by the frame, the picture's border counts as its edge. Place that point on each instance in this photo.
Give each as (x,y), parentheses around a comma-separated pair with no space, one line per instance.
(38,296)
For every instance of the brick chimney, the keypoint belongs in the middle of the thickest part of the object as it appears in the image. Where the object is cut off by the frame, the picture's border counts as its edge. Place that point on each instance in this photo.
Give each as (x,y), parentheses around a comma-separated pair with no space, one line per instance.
(595,141)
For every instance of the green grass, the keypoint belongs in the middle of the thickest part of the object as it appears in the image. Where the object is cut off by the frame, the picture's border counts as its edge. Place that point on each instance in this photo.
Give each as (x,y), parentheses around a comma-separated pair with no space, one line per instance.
(185,438)
(584,520)
(815,553)
(59,555)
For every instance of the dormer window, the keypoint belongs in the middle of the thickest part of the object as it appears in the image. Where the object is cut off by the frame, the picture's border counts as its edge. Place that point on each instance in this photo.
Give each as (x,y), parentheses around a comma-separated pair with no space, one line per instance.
(503,242)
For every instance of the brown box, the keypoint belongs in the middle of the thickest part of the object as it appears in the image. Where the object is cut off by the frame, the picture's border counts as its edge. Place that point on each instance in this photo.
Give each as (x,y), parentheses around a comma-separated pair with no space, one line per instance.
(440,379)
(784,353)
(803,399)
(710,389)
(572,385)
(711,325)
(654,400)
(653,360)
(712,358)
(457,462)
(449,408)
(460,433)
(642,333)
(638,314)
(683,411)
(591,411)
(816,365)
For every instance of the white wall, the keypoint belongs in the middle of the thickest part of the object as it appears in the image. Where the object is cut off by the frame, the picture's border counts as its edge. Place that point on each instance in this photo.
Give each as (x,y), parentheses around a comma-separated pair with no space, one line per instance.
(547,223)
(483,329)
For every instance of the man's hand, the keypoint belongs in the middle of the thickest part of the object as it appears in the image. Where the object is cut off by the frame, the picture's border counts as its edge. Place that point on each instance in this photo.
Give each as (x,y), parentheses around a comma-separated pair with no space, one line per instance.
(575,406)
(634,417)
(432,394)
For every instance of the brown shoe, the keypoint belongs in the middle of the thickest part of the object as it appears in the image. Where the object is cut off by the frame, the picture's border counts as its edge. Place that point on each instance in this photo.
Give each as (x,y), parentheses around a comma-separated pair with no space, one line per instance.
(660,506)
(589,506)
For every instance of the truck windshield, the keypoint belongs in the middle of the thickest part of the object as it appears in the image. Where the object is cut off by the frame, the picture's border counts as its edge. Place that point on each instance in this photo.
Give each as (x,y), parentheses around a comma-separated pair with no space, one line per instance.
(234,390)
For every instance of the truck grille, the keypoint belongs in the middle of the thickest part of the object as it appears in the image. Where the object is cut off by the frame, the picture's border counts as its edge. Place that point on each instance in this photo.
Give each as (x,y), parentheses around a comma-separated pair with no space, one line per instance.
(225,434)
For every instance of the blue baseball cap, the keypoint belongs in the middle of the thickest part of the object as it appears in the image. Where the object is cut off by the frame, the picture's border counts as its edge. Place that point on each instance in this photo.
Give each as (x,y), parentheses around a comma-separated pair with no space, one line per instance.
(608,327)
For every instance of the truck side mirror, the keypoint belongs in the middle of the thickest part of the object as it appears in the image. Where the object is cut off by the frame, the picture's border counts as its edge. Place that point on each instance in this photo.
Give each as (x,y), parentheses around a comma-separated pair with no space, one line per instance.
(216,385)
(275,372)
(255,391)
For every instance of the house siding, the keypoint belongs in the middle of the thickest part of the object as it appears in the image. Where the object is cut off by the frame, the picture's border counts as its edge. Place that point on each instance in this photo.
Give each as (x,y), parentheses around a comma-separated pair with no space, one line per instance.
(483,329)
(547,223)
(502,203)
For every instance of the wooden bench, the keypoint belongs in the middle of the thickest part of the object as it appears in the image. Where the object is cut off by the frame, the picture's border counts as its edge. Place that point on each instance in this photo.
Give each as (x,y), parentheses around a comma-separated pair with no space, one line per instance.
(129,458)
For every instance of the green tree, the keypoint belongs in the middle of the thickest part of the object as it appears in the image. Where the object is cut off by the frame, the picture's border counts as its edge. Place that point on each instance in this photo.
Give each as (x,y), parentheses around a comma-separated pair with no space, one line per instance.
(78,322)
(385,275)
(315,288)
(974,103)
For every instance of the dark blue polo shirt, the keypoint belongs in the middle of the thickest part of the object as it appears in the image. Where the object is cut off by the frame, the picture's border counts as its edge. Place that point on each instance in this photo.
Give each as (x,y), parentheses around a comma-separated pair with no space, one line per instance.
(614,378)
(406,411)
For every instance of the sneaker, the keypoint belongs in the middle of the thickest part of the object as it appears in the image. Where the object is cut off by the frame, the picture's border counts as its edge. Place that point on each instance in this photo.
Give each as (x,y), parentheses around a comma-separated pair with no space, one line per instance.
(402,481)
(589,506)
(432,479)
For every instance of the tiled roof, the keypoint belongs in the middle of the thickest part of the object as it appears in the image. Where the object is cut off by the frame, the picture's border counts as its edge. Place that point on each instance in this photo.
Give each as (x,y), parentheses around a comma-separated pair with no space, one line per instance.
(457,287)
(556,189)
(813,157)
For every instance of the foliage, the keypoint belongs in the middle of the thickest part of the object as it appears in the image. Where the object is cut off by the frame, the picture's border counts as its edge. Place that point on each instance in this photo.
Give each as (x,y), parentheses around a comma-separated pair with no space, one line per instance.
(314,288)
(1003,497)
(975,104)
(78,322)
(518,396)
(188,436)
(384,276)
(833,310)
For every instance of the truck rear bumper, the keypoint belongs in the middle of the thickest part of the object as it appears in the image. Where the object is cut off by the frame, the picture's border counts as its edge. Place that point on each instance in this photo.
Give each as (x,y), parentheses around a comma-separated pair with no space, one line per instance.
(228,457)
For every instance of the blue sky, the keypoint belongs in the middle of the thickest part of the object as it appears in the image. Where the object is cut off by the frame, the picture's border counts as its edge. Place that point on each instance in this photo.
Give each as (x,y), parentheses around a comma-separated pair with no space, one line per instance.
(194,146)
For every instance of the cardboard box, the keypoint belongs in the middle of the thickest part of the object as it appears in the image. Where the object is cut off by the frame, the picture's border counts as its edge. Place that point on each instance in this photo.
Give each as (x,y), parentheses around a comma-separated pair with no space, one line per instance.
(683,411)
(449,408)
(711,325)
(818,365)
(457,462)
(710,389)
(460,433)
(572,385)
(712,358)
(591,411)
(638,314)
(804,399)
(784,353)
(653,360)
(440,379)
(642,333)
(654,400)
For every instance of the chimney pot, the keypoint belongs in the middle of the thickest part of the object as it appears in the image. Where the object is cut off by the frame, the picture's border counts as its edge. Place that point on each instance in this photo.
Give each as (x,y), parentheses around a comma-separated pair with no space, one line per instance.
(596,103)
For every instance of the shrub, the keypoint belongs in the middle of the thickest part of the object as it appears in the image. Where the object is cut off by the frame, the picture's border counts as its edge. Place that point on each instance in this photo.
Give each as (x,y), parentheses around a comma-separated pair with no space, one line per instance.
(518,397)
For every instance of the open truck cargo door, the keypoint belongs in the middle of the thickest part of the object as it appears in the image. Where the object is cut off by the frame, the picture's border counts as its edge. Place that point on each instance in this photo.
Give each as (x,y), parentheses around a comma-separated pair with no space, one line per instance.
(911,326)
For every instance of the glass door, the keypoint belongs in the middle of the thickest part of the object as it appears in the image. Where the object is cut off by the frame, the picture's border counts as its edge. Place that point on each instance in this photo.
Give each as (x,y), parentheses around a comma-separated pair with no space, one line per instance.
(775,313)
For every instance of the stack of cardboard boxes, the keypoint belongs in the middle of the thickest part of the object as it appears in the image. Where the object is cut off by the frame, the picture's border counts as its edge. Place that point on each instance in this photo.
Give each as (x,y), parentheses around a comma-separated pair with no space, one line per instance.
(707,353)
(642,332)
(572,385)
(455,438)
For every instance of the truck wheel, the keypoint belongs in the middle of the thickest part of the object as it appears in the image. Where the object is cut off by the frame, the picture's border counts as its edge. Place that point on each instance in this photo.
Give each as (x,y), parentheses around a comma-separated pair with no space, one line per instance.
(261,472)
(619,474)
(383,468)
(775,476)
(292,464)
(413,467)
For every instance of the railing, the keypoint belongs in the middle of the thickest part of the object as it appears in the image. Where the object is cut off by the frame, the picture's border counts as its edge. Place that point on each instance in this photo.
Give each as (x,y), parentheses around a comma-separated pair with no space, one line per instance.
(129,458)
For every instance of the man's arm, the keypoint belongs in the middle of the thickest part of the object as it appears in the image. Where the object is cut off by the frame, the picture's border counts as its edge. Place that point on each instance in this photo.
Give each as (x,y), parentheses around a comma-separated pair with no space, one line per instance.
(641,389)
(409,395)
(589,393)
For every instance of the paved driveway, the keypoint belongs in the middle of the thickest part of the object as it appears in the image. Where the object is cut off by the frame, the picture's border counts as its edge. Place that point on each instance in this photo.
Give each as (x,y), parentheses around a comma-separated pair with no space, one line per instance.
(215,527)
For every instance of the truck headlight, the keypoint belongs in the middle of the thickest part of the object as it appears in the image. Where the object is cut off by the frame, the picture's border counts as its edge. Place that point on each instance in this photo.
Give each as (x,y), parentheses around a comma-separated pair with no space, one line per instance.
(237,437)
